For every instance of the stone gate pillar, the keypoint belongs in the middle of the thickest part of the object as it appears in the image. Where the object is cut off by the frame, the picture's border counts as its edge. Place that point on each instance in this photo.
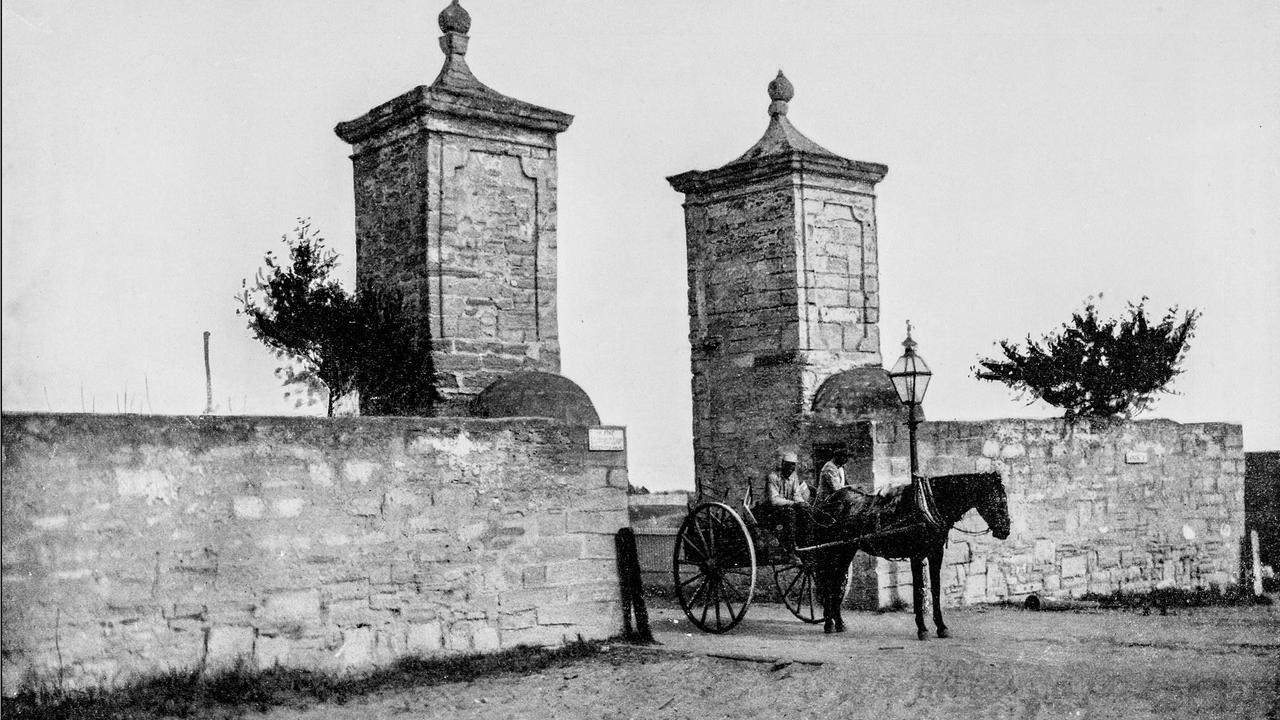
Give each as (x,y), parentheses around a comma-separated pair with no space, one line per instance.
(455,188)
(783,292)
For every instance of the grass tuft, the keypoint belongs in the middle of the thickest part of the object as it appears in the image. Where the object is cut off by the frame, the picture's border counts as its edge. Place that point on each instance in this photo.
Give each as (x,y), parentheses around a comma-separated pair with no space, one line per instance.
(1163,598)
(234,690)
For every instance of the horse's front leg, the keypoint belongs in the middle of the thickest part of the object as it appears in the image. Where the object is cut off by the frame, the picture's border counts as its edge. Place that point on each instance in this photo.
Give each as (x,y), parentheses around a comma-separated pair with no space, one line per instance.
(917,596)
(822,581)
(935,590)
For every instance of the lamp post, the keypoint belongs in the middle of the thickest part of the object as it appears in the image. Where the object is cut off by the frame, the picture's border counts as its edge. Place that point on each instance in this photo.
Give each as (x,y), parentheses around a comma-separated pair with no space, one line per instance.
(910,377)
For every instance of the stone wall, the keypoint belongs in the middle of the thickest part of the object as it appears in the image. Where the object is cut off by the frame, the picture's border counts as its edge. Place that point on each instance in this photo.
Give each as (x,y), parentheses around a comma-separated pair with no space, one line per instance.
(1125,507)
(133,544)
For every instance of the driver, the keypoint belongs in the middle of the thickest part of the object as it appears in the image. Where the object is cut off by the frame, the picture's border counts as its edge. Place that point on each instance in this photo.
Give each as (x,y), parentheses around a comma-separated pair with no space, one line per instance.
(831,478)
(788,497)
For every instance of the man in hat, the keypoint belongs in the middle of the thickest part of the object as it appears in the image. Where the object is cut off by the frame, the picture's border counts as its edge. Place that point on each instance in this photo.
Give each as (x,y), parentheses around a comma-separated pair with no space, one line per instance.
(788,498)
(831,477)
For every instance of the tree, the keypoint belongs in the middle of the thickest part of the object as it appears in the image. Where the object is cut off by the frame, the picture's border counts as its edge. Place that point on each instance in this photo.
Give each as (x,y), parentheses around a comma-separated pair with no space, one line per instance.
(336,342)
(395,373)
(1097,368)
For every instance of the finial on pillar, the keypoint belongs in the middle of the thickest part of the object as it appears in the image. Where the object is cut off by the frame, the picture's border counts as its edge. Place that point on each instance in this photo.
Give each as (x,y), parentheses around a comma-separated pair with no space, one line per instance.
(454,22)
(455,19)
(780,92)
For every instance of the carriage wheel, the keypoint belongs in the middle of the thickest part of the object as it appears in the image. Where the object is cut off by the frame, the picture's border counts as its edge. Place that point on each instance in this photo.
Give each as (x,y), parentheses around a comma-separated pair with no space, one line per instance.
(714,565)
(799,590)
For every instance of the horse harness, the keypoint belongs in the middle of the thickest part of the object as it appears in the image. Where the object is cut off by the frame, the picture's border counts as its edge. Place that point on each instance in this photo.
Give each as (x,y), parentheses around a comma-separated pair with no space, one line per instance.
(886,517)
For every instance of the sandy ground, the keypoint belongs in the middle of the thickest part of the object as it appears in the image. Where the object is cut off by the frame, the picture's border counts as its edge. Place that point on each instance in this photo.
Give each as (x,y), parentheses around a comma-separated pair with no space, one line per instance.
(1000,663)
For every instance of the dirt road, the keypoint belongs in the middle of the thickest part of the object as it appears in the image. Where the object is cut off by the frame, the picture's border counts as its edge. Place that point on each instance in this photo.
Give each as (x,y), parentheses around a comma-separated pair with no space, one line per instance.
(1000,663)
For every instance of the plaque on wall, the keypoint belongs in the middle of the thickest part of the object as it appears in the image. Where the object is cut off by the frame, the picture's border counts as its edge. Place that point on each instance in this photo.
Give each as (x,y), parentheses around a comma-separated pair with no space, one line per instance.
(607,439)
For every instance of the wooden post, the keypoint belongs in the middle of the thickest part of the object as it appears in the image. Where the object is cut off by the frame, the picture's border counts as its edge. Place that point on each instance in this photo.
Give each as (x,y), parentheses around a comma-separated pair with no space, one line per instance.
(208,378)
(1257,563)
(632,588)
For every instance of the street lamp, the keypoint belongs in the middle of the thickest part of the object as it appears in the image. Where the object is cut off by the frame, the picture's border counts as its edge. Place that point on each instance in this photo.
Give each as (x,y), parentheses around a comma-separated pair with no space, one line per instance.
(910,377)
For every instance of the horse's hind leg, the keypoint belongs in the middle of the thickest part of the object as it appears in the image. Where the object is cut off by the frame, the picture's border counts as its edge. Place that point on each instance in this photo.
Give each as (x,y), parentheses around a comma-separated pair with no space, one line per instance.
(935,590)
(838,580)
(917,596)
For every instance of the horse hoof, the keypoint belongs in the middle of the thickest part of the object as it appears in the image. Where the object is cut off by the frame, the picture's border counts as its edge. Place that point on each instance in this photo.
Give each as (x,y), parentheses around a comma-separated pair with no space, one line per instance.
(942,633)
(922,635)
(828,628)
(840,627)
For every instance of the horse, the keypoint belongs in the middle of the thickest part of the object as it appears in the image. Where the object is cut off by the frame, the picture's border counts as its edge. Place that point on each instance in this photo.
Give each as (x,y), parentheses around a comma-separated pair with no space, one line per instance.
(892,525)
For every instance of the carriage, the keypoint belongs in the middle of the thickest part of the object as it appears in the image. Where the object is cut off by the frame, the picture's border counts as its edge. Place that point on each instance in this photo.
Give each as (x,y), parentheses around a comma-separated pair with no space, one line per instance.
(720,551)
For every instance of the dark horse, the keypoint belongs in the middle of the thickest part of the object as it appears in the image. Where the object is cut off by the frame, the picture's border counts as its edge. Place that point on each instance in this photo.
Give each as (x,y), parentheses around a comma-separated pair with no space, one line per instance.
(891,525)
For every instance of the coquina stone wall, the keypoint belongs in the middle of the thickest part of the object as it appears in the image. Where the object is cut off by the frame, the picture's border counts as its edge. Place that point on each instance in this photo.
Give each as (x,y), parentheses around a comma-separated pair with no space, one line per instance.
(134,544)
(1126,507)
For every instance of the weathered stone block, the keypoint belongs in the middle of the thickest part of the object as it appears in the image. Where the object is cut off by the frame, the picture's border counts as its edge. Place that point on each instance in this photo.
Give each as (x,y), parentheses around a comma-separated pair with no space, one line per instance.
(248,507)
(425,638)
(300,606)
(225,644)
(352,613)
(287,507)
(365,506)
(272,652)
(597,521)
(538,636)
(357,649)
(581,571)
(360,471)
(485,638)
(530,598)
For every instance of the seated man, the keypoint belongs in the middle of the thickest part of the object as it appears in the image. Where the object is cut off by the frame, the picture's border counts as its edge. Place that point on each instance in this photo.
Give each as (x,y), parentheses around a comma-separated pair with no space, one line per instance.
(788,498)
(832,478)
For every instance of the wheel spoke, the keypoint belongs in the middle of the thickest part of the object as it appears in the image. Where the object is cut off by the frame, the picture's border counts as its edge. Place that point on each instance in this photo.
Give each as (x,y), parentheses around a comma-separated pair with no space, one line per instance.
(699,590)
(692,578)
(798,577)
(809,592)
(736,592)
(700,551)
(711,529)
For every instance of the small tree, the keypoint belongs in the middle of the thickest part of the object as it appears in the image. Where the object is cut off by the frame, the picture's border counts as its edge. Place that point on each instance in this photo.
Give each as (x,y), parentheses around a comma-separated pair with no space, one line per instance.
(395,373)
(336,342)
(1094,367)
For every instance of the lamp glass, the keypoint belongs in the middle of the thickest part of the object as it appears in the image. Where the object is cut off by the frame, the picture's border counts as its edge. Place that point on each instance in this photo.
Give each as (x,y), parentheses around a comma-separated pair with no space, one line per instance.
(910,377)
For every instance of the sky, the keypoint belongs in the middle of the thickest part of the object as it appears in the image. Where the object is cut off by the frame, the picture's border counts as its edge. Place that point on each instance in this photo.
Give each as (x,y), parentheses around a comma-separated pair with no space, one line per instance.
(1038,155)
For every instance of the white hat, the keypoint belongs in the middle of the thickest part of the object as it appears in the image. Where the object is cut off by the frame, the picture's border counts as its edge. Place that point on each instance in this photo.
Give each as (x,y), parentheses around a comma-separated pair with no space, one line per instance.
(787,456)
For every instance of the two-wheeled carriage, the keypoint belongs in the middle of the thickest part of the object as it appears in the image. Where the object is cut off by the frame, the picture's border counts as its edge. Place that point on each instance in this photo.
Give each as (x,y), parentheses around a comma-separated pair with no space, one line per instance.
(719,552)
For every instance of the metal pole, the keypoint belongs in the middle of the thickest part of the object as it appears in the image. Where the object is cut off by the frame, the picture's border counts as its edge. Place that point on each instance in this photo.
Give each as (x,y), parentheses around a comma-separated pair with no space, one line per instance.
(911,432)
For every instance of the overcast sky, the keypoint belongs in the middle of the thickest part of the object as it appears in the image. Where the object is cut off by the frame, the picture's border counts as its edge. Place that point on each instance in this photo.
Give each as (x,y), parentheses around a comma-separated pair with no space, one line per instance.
(154,150)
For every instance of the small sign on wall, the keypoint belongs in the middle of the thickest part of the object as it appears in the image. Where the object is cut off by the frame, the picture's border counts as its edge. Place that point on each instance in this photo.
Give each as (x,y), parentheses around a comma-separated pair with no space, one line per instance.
(1134,457)
(607,439)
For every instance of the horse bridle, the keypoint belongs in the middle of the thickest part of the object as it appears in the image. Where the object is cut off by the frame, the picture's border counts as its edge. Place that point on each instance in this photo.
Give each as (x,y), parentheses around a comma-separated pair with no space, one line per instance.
(1000,490)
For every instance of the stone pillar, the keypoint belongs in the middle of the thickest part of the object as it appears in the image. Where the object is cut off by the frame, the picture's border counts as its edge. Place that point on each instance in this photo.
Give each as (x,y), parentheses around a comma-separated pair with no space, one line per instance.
(455,188)
(783,292)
